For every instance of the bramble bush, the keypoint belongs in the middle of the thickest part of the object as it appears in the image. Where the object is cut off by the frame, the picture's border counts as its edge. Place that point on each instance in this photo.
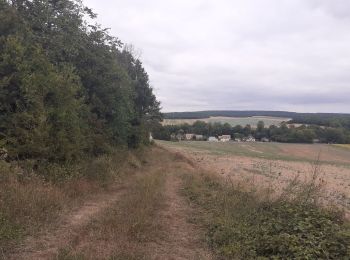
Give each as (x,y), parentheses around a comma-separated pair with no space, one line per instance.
(247,224)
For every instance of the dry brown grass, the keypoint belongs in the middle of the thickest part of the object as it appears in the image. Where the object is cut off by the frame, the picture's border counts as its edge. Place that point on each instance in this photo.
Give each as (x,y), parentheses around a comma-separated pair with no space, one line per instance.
(122,231)
(31,202)
(26,206)
(277,174)
(149,219)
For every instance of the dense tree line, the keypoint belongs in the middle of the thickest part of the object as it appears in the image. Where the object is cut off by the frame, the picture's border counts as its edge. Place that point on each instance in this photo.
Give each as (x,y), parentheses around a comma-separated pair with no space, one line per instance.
(67,87)
(321,119)
(283,133)
(226,113)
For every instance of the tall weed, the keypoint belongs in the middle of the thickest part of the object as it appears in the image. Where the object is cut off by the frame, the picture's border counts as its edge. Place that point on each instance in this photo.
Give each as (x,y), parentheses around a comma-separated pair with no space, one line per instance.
(33,195)
(247,223)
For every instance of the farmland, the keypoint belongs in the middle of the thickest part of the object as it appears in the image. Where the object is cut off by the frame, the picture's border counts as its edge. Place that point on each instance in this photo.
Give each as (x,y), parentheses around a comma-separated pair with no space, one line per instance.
(332,154)
(83,175)
(183,200)
(275,164)
(253,121)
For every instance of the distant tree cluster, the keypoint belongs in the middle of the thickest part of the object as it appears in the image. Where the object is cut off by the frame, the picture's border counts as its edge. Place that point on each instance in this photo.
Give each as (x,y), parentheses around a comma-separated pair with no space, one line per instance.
(321,119)
(67,87)
(284,133)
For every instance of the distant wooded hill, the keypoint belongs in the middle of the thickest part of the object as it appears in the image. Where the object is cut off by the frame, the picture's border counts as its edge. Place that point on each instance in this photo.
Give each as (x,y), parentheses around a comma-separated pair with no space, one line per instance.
(324,119)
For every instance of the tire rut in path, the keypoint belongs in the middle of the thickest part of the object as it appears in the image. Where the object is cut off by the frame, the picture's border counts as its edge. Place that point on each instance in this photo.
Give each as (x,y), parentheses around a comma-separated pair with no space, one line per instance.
(182,239)
(46,245)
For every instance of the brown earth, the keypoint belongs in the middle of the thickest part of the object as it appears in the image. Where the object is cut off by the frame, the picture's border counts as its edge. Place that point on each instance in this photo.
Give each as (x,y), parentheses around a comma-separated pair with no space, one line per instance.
(326,153)
(78,231)
(171,235)
(183,239)
(277,174)
(46,245)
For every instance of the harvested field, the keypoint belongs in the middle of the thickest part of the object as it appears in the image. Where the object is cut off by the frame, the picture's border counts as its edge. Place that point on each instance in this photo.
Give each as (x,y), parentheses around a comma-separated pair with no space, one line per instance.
(275,165)
(329,154)
(253,121)
(183,203)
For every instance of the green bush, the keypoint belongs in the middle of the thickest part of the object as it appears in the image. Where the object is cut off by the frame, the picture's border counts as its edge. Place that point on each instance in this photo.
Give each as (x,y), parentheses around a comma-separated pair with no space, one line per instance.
(281,231)
(247,225)
(68,90)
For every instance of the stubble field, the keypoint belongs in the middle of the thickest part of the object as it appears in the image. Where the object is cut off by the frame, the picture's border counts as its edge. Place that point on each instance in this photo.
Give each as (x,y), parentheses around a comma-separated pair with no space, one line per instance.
(275,165)
(253,121)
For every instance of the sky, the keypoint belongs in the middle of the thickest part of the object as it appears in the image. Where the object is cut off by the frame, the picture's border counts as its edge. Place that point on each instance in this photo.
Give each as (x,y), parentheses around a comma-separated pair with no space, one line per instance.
(291,55)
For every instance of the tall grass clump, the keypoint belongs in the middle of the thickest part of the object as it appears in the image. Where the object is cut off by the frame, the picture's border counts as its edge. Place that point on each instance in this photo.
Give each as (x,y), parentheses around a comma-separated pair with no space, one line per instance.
(26,204)
(134,215)
(128,225)
(244,223)
(32,195)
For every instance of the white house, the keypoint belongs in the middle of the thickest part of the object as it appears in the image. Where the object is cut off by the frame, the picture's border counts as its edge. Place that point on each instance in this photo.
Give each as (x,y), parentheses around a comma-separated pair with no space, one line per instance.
(189,136)
(249,139)
(199,137)
(213,139)
(225,138)
(265,140)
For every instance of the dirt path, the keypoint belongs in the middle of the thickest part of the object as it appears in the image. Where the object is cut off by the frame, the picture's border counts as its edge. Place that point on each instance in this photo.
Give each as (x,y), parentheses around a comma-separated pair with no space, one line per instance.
(177,239)
(46,245)
(183,239)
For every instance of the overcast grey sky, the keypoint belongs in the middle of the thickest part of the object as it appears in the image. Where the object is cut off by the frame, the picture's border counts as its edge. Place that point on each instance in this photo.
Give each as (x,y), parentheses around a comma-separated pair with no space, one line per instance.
(239,54)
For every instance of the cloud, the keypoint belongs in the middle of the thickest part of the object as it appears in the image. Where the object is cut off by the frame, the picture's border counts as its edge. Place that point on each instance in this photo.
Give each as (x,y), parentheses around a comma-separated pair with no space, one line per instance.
(252,54)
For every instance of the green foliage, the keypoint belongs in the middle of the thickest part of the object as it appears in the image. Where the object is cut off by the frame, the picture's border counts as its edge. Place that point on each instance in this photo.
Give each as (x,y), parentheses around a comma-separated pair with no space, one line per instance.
(68,88)
(283,133)
(321,119)
(248,225)
(40,114)
(283,230)
(335,127)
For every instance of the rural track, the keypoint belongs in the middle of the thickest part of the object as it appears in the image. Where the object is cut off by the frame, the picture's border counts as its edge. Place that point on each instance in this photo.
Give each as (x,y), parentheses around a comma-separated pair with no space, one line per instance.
(47,244)
(182,239)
